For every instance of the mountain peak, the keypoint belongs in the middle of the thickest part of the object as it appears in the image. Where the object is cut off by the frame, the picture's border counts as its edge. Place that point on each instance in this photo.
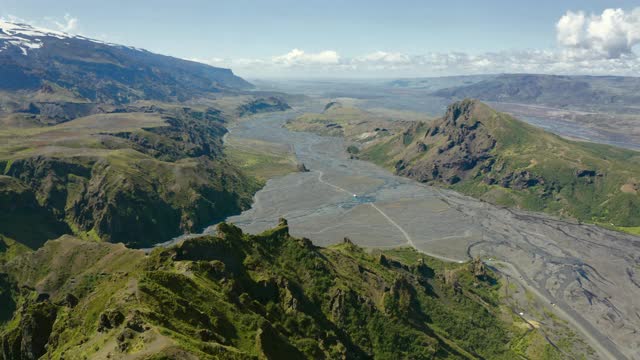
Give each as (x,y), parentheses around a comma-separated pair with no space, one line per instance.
(101,71)
(28,37)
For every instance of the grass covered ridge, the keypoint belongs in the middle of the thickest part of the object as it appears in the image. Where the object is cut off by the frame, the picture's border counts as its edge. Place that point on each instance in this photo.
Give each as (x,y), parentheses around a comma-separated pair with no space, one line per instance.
(239,296)
(497,158)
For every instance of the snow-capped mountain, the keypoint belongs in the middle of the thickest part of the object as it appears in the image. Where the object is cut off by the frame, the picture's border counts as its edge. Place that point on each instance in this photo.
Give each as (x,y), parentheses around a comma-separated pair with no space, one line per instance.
(25,37)
(98,71)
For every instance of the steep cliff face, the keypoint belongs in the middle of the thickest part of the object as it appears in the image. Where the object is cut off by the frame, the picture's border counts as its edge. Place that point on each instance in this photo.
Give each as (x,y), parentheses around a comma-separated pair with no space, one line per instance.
(28,341)
(23,217)
(239,296)
(458,143)
(500,159)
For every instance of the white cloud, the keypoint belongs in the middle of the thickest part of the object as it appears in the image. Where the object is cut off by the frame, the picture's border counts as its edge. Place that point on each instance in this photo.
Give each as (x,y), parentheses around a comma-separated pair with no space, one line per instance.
(215,61)
(299,57)
(68,25)
(381,64)
(12,19)
(383,57)
(596,44)
(612,34)
(570,29)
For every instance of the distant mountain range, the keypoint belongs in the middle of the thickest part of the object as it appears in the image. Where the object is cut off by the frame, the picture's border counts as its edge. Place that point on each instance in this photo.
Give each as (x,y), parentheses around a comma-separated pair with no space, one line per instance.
(32,58)
(598,93)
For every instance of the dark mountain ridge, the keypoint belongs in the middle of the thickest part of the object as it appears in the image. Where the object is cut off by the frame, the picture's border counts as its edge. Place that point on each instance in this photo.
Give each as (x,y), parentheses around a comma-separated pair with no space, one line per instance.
(31,58)
(613,93)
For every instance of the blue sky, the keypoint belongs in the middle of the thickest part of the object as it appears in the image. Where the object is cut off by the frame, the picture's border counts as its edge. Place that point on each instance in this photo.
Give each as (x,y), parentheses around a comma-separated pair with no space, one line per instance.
(251,35)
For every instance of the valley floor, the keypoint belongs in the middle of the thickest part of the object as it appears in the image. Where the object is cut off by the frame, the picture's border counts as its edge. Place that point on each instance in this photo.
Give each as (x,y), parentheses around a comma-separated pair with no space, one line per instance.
(583,274)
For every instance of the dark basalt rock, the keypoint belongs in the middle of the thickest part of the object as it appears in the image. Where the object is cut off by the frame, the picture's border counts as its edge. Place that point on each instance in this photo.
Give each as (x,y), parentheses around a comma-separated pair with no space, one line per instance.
(29,340)
(332,105)
(521,180)
(110,319)
(70,301)
(262,105)
(302,168)
(466,144)
(585,173)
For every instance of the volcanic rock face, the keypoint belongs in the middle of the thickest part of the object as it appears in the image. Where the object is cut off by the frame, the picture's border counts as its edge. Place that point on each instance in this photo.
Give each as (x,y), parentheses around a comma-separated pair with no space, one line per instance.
(461,142)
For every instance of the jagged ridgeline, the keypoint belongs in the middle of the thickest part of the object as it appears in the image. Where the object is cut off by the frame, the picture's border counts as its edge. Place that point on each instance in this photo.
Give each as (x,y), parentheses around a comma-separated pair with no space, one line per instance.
(240,296)
(493,156)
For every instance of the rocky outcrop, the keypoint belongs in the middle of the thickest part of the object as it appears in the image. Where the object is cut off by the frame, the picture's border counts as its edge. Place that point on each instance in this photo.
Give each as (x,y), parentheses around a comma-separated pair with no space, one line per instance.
(518,180)
(302,167)
(478,269)
(262,105)
(269,345)
(28,341)
(110,319)
(460,142)
(59,112)
(332,105)
(587,173)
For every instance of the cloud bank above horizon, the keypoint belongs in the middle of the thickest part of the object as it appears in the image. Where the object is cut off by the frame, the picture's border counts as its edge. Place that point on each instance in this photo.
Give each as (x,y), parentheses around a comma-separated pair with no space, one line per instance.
(594,44)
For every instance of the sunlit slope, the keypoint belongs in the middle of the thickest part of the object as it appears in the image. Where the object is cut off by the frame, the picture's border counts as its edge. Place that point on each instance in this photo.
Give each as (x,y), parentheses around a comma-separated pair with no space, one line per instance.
(498,158)
(268,296)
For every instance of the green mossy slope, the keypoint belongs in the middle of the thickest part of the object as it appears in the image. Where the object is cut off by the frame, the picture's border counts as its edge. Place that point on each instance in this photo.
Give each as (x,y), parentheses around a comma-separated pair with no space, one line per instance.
(238,296)
(497,158)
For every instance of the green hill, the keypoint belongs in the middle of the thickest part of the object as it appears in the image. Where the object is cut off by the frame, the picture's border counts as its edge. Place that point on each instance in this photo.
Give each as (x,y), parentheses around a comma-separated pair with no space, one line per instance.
(495,157)
(267,296)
